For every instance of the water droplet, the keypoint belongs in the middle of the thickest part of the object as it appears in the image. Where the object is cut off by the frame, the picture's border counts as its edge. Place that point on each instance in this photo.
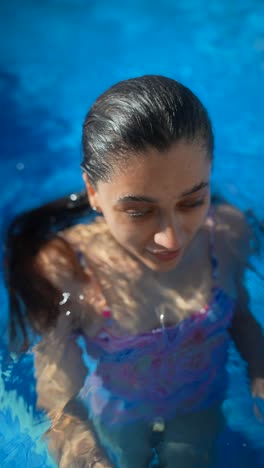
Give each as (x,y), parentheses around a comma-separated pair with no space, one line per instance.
(81,297)
(65,296)
(162,320)
(73,197)
(68,312)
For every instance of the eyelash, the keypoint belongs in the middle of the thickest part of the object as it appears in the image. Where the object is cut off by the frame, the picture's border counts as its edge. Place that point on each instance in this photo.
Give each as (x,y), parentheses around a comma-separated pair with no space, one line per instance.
(194,204)
(137,214)
(141,214)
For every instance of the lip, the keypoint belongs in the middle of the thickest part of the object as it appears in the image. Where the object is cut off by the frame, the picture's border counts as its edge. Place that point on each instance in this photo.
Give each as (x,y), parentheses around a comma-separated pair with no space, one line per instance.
(166,256)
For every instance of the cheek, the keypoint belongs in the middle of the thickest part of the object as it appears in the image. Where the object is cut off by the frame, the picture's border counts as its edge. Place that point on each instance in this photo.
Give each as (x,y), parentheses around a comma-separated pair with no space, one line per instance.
(134,234)
(196,221)
(126,232)
(204,214)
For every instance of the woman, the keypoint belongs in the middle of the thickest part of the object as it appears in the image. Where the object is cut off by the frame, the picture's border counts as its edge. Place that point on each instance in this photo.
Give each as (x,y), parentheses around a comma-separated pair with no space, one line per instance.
(136,309)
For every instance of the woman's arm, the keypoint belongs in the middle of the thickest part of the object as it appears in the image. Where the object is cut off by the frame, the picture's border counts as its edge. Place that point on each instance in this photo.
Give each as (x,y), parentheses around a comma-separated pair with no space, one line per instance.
(246,332)
(60,372)
(249,339)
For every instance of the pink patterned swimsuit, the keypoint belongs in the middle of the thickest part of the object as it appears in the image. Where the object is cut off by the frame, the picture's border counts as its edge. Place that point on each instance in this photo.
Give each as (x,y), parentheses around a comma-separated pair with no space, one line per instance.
(167,371)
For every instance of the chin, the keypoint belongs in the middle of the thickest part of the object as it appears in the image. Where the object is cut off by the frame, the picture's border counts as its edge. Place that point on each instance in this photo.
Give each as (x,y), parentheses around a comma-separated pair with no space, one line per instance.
(161,266)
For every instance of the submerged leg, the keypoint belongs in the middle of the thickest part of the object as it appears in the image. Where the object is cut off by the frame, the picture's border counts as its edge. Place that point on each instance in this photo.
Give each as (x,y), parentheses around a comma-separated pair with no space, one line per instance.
(189,441)
(128,445)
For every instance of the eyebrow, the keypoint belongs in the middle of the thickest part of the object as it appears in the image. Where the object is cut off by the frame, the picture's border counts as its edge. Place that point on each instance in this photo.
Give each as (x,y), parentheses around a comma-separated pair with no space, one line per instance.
(139,198)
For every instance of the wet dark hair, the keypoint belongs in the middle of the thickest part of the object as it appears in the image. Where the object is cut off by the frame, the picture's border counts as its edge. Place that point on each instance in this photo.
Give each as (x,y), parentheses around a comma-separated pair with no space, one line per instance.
(129,118)
(138,114)
(30,293)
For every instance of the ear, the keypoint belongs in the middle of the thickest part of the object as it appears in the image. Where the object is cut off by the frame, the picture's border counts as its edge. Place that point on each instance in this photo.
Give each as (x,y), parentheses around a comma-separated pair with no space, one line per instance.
(91,192)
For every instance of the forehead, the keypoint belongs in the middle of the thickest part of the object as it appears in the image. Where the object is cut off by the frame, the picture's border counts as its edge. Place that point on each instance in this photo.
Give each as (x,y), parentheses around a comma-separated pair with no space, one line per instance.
(159,174)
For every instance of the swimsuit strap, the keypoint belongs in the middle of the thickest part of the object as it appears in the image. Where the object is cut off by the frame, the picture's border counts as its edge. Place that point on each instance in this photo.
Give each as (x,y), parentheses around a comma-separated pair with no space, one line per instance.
(213,257)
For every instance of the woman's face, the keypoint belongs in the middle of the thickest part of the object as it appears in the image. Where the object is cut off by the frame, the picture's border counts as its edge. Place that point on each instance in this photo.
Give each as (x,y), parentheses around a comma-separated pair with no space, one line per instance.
(156,204)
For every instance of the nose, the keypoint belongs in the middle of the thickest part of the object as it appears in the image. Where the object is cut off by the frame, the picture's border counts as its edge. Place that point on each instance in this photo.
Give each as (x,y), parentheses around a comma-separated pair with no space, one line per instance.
(170,234)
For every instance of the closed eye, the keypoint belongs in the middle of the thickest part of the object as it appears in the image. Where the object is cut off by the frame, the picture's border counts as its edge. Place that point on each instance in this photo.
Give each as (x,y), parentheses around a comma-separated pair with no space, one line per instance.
(137,213)
(132,213)
(193,204)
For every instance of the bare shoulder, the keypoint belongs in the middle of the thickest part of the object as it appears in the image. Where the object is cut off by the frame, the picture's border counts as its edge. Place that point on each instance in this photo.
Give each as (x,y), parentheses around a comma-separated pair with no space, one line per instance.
(58,257)
(233,231)
(94,243)
(57,262)
(233,221)
(85,233)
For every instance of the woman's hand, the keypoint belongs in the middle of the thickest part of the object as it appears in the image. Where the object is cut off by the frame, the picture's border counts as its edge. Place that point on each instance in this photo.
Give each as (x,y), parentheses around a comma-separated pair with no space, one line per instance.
(91,459)
(257,390)
(74,445)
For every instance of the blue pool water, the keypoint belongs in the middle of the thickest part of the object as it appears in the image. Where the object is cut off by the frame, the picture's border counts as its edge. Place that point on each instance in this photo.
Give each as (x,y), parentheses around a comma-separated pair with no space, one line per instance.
(56,56)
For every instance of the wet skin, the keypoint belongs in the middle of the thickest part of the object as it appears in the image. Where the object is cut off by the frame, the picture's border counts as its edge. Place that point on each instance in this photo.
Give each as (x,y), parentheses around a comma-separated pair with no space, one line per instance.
(155,205)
